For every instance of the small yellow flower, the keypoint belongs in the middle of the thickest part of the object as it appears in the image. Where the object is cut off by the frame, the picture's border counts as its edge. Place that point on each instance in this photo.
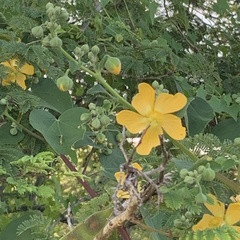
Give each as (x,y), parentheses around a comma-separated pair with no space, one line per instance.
(153,117)
(120,177)
(219,216)
(16,73)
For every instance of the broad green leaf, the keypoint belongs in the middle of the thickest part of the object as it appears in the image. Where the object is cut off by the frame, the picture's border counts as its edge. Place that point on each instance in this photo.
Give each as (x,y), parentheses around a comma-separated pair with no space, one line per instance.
(96,89)
(10,231)
(199,114)
(51,96)
(60,133)
(227,129)
(7,138)
(90,227)
(152,10)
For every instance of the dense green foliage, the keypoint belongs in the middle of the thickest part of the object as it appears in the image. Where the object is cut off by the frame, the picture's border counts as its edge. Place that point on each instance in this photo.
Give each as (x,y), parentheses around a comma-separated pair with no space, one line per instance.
(60,144)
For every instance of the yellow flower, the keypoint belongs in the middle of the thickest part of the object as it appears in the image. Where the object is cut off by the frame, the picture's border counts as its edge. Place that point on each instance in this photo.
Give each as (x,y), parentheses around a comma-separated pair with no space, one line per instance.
(219,216)
(153,117)
(17,74)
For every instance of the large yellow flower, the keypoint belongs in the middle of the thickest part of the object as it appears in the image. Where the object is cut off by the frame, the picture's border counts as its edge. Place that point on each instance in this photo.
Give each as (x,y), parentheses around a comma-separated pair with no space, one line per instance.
(153,117)
(219,216)
(17,73)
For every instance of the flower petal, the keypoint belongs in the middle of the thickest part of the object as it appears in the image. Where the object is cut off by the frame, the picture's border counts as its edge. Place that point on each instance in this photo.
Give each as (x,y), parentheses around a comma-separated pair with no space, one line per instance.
(168,103)
(217,209)
(20,80)
(120,177)
(137,166)
(122,194)
(27,69)
(134,122)
(149,140)
(10,64)
(172,125)
(232,214)
(208,221)
(236,228)
(143,102)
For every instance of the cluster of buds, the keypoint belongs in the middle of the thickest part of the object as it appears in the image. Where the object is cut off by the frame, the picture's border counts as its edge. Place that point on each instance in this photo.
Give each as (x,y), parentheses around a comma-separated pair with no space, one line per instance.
(98,119)
(184,222)
(159,88)
(56,15)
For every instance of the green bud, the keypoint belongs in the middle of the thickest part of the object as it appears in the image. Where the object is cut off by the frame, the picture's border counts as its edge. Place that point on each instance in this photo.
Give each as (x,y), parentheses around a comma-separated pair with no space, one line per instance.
(118,37)
(237,100)
(100,137)
(113,65)
(92,106)
(13,131)
(91,57)
(37,32)
(201,168)
(154,43)
(95,50)
(189,180)
(200,198)
(177,223)
(237,141)
(96,124)
(55,42)
(107,104)
(64,14)
(105,120)
(188,214)
(191,173)
(65,83)
(107,151)
(85,48)
(85,117)
(155,84)
(208,174)
(57,10)
(119,137)
(51,12)
(78,51)
(49,5)
(46,41)
(183,173)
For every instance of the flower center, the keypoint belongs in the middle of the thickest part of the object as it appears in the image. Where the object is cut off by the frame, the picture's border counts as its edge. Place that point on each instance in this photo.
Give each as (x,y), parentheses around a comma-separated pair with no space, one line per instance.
(215,222)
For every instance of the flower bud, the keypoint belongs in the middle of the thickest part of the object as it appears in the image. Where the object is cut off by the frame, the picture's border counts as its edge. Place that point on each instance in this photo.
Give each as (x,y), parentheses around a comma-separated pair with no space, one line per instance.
(55,42)
(118,37)
(113,65)
(105,120)
(64,15)
(200,198)
(189,180)
(85,48)
(96,124)
(65,83)
(95,50)
(37,32)
(201,168)
(183,173)
(237,141)
(119,137)
(92,106)
(49,5)
(100,137)
(85,117)
(208,174)
(46,41)
(13,131)
(155,84)
(106,104)
(177,223)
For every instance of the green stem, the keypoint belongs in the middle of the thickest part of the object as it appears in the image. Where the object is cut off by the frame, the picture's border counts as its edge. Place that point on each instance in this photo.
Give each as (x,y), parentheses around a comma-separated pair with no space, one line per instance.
(9,117)
(101,80)
(232,185)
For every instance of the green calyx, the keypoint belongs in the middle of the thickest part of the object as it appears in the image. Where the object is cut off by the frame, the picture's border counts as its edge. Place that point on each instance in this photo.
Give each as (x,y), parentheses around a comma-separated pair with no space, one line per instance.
(65,83)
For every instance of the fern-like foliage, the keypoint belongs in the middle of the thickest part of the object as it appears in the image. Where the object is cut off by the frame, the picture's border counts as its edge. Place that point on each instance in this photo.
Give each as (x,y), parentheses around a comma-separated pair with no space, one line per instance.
(38,224)
(221,233)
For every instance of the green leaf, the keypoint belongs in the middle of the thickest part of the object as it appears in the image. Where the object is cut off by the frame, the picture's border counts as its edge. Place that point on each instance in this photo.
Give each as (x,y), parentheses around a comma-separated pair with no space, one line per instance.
(227,129)
(104,2)
(60,133)
(51,96)
(152,10)
(10,231)
(96,89)
(7,138)
(199,113)
(90,227)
